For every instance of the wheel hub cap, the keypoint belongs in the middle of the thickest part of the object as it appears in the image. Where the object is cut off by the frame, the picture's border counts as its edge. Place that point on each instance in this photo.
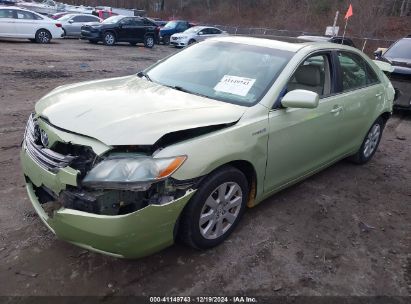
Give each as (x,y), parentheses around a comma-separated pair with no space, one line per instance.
(220,210)
(372,140)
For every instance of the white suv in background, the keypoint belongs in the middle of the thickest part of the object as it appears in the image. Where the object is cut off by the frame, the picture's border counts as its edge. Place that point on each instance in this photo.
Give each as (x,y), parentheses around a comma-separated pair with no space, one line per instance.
(20,23)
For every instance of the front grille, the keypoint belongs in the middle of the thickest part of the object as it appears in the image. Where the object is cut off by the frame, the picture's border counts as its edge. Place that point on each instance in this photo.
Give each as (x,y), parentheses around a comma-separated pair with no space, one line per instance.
(46,158)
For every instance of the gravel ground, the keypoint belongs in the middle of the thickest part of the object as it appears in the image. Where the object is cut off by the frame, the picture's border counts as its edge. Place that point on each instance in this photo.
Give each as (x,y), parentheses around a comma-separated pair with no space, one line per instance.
(344,231)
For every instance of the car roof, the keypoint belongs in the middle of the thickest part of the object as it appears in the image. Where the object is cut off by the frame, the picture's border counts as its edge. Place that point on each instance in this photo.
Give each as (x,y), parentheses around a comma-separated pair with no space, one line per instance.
(314,38)
(284,46)
(275,44)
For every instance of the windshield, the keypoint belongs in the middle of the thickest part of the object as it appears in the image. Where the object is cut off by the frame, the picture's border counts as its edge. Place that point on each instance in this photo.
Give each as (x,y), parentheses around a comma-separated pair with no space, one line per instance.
(65,17)
(229,72)
(193,29)
(113,19)
(401,49)
(171,24)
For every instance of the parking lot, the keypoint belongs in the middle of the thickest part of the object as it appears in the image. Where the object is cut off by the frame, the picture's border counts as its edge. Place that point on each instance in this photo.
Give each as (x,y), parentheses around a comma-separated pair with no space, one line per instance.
(344,231)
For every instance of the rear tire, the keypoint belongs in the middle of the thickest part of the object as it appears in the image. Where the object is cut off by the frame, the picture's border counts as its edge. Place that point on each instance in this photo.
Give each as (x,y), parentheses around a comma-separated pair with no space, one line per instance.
(370,143)
(149,42)
(215,210)
(109,38)
(43,36)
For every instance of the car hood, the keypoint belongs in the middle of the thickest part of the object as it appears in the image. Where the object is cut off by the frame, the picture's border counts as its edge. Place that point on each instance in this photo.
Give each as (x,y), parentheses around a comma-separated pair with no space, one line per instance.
(131,111)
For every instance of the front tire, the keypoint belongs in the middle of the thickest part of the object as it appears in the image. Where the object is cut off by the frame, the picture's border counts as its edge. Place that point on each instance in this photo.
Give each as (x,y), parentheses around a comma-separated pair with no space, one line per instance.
(166,40)
(215,210)
(43,36)
(370,143)
(109,38)
(191,41)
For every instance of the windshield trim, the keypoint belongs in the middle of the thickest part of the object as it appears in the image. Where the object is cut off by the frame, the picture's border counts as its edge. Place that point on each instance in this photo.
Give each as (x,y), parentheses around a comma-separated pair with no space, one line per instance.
(220,98)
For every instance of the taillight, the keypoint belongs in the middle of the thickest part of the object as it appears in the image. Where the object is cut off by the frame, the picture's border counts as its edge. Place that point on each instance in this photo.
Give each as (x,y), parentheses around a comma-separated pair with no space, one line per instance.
(59,25)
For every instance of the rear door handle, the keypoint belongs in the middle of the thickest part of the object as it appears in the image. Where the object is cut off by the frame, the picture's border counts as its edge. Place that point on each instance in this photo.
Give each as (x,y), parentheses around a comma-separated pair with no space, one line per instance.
(336,110)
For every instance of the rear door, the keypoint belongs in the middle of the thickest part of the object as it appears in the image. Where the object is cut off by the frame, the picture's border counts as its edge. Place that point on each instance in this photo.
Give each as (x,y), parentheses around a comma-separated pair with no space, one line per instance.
(361,96)
(7,23)
(26,24)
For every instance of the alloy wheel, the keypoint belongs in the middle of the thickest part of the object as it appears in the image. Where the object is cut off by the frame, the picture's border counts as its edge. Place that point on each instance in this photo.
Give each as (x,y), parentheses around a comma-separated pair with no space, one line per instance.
(109,39)
(150,42)
(43,37)
(371,142)
(220,210)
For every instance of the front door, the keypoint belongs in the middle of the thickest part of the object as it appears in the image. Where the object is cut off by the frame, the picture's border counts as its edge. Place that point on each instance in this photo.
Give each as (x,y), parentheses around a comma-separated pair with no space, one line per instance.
(304,140)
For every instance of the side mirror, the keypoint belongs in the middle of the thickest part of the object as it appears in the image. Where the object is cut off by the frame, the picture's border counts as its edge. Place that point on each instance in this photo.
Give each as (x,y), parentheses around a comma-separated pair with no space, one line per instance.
(71,21)
(200,33)
(378,54)
(301,99)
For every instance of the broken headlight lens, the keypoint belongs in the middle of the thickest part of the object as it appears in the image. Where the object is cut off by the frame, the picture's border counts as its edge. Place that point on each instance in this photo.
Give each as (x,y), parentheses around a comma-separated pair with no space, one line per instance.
(131,173)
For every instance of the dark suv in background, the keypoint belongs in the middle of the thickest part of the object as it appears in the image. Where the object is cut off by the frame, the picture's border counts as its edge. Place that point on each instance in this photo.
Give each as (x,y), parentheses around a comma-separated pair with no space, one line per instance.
(332,39)
(121,29)
(399,56)
(173,27)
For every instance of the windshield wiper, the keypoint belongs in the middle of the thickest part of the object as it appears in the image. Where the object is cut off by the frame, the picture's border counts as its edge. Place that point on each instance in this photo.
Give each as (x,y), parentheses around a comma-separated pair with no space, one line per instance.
(181,89)
(144,74)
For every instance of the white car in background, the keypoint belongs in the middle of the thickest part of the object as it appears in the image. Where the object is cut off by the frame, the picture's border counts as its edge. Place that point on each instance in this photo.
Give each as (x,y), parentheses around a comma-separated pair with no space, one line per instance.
(195,34)
(20,23)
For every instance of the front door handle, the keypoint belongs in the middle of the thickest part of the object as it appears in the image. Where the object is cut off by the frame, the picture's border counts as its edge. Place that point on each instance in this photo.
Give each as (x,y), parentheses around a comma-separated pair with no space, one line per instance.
(336,110)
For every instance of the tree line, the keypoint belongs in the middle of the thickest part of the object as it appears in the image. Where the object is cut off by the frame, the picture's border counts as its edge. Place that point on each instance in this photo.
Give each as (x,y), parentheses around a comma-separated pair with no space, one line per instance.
(372,18)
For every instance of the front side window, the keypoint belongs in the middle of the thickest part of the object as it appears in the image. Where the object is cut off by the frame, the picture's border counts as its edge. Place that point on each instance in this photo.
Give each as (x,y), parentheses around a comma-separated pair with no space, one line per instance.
(356,73)
(313,75)
(113,19)
(215,31)
(230,72)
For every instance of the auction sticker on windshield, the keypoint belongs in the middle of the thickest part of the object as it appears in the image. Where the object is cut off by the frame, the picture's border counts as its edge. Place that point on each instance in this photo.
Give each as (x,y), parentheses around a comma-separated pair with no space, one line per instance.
(235,85)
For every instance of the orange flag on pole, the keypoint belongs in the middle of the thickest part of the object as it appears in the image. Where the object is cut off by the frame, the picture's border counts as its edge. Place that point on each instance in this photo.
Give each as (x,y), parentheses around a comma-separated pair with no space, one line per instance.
(349,13)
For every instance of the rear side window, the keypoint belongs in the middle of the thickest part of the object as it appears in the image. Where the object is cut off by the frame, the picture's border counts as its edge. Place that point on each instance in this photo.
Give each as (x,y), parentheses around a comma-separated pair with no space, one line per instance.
(84,19)
(27,15)
(356,73)
(6,13)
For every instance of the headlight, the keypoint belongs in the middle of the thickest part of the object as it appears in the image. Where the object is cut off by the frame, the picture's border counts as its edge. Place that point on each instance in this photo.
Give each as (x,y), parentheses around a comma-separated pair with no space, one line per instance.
(131,173)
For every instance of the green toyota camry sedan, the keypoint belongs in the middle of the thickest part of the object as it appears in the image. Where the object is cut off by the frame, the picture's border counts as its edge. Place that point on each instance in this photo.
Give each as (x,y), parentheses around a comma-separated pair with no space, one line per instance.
(126,166)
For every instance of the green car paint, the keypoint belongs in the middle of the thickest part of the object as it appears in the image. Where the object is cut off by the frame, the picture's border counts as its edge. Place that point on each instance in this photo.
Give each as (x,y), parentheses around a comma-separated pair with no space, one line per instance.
(282,145)
(133,235)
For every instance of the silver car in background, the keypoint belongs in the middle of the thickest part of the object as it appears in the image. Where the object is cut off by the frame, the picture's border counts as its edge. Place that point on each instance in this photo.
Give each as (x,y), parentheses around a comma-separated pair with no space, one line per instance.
(72,23)
(195,34)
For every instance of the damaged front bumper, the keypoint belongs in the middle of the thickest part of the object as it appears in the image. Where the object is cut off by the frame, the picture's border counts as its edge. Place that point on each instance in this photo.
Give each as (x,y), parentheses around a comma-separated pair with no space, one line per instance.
(130,235)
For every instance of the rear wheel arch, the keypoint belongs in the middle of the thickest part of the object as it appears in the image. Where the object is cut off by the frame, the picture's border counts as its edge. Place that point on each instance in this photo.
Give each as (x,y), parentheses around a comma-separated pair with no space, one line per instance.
(385,116)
